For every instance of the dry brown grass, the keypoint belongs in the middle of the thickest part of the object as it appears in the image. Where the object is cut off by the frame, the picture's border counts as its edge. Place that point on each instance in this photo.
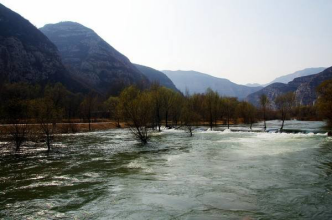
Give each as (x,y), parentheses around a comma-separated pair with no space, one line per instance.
(70,127)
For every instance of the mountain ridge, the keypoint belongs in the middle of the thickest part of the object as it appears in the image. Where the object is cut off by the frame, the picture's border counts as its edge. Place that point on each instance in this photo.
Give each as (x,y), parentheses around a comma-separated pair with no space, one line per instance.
(92,59)
(291,76)
(197,82)
(27,55)
(304,72)
(156,76)
(304,88)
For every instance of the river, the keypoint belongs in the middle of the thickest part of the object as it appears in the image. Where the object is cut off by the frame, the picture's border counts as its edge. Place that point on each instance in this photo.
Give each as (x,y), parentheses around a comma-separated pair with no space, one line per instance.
(212,175)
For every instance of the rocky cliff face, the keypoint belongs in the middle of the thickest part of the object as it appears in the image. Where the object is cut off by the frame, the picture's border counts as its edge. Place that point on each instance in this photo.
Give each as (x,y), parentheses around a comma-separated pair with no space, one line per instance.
(27,55)
(156,76)
(303,87)
(91,59)
(306,92)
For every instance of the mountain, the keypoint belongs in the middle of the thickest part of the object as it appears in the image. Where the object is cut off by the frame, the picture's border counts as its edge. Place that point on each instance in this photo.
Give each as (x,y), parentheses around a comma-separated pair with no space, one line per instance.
(305,72)
(27,55)
(304,88)
(156,76)
(253,85)
(197,82)
(91,59)
(289,77)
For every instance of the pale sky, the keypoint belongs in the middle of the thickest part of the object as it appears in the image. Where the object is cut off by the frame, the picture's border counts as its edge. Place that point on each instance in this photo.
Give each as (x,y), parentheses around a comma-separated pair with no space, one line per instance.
(245,41)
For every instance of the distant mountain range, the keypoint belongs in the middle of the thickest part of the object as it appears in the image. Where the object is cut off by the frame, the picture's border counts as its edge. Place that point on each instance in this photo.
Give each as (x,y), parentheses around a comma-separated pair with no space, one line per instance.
(254,85)
(97,63)
(156,76)
(289,77)
(197,82)
(305,72)
(27,55)
(304,88)
(76,56)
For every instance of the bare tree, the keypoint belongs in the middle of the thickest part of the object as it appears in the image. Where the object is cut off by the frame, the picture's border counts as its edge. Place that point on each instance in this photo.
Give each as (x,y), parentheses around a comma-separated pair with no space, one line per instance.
(19,132)
(18,128)
(247,112)
(264,101)
(47,114)
(284,104)
(113,106)
(157,100)
(137,110)
(168,97)
(89,105)
(189,116)
(324,102)
(229,108)
(211,106)
(57,94)
(176,109)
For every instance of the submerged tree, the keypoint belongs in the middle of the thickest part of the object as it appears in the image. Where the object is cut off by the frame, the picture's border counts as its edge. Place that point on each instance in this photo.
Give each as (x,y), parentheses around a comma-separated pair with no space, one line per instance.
(18,128)
(229,105)
(168,98)
(189,116)
(247,112)
(211,105)
(14,107)
(264,101)
(284,104)
(137,110)
(157,101)
(46,114)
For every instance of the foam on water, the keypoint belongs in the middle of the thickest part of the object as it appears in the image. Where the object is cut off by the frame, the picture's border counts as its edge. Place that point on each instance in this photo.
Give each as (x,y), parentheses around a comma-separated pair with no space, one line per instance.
(139,164)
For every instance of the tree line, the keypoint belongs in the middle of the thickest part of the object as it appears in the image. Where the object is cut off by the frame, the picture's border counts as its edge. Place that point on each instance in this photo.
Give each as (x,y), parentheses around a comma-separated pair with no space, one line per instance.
(34,110)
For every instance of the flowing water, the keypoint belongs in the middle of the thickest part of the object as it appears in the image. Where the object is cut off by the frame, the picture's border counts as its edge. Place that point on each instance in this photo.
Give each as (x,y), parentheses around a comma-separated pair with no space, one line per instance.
(212,175)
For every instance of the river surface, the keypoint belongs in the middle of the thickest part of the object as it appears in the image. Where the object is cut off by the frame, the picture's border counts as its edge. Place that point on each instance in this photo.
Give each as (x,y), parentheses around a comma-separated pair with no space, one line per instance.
(212,175)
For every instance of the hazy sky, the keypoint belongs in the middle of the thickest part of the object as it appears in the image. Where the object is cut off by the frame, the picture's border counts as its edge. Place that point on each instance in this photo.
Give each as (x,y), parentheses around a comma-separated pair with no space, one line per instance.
(245,41)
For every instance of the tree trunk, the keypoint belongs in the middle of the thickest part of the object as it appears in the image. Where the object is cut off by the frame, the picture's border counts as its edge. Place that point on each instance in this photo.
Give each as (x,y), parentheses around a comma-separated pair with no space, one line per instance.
(264,118)
(264,125)
(228,122)
(283,117)
(282,125)
(166,118)
(211,121)
(48,144)
(17,146)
